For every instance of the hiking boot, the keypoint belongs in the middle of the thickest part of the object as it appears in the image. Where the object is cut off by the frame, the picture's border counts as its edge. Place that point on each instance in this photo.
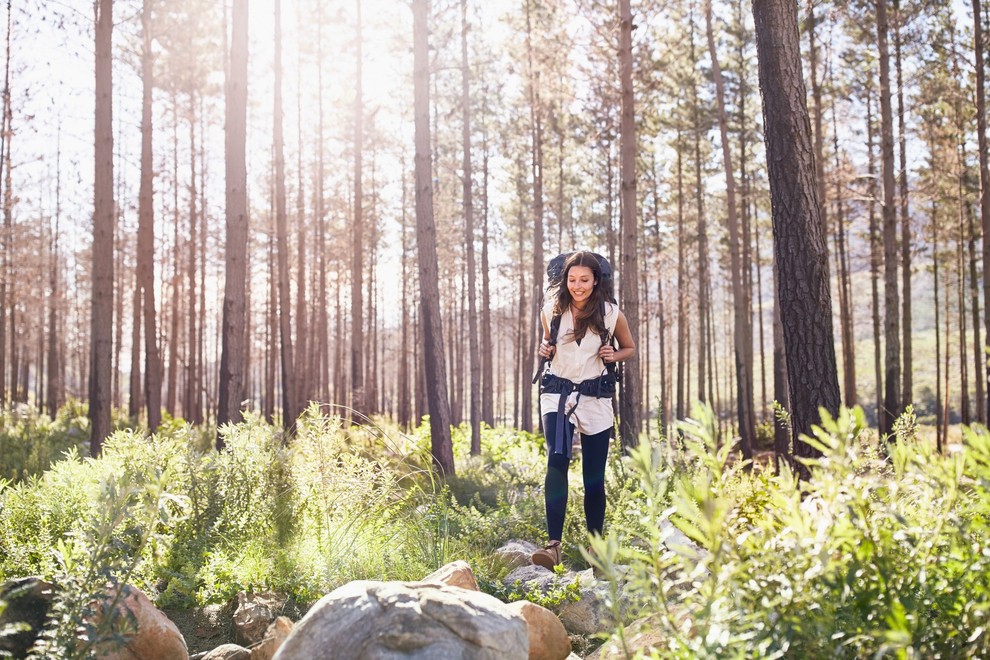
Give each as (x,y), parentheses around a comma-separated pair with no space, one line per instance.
(549,556)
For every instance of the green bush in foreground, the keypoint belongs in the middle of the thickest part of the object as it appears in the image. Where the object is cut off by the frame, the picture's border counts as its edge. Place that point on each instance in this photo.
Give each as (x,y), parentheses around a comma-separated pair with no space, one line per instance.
(872,557)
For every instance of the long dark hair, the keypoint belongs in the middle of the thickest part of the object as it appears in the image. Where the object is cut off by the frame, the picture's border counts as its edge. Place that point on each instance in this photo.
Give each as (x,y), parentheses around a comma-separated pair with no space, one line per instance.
(592,315)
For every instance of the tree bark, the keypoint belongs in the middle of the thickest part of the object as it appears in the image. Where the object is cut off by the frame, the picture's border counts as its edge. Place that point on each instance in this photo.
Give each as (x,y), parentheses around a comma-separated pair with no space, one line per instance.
(907,394)
(468,195)
(232,366)
(5,238)
(981,135)
(630,403)
(146,234)
(290,408)
(54,382)
(357,237)
(536,136)
(844,281)
(426,244)
(799,243)
(487,348)
(875,257)
(101,309)
(892,309)
(682,286)
(742,330)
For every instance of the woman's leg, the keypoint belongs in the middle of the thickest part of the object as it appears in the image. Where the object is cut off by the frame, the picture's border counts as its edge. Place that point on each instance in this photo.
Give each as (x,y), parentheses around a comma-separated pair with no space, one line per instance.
(555,484)
(594,451)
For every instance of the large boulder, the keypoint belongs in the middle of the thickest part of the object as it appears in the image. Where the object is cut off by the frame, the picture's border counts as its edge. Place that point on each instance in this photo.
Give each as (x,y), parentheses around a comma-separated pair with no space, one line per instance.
(456,574)
(254,613)
(28,602)
(365,619)
(146,632)
(548,638)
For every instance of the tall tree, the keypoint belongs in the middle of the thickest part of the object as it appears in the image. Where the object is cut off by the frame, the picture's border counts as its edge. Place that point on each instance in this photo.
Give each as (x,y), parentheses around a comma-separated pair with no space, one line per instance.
(290,409)
(799,241)
(981,140)
(468,194)
(891,322)
(742,328)
(536,139)
(907,370)
(357,235)
(146,232)
(426,245)
(101,308)
(5,238)
(232,360)
(630,405)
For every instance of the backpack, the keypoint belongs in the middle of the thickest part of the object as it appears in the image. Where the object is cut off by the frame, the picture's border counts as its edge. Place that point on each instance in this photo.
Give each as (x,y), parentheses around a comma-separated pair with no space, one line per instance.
(555,273)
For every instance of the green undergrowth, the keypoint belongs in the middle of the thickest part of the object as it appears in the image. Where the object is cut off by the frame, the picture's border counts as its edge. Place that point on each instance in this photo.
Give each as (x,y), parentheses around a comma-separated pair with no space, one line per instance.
(883,553)
(191,526)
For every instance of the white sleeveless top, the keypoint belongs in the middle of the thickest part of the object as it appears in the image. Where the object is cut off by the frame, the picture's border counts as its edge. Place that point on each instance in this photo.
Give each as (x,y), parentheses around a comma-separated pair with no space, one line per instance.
(578,362)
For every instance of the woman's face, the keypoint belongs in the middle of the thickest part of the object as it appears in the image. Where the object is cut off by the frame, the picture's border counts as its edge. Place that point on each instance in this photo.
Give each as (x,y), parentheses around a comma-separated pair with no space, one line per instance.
(580,284)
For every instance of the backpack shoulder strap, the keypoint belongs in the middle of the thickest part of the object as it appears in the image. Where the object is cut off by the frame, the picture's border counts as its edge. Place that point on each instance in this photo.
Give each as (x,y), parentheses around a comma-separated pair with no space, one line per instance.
(554,329)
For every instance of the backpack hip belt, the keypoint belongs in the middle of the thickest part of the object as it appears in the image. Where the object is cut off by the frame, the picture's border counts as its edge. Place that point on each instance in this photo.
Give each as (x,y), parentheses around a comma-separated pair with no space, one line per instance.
(602,387)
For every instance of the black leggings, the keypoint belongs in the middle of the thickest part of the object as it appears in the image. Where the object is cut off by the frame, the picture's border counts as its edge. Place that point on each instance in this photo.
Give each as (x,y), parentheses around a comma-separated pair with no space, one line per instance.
(594,451)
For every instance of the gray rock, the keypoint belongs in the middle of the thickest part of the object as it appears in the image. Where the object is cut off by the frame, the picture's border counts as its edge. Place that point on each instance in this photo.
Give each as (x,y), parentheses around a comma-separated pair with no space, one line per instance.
(365,619)
(680,543)
(227,652)
(517,553)
(587,616)
(456,574)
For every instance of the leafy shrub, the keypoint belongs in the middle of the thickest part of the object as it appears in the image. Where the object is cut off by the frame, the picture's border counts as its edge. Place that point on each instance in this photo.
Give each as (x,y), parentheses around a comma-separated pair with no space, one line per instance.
(871,557)
(30,441)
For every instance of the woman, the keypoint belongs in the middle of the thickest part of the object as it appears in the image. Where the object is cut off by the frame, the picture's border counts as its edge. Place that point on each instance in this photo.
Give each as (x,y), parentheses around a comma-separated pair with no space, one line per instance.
(576,391)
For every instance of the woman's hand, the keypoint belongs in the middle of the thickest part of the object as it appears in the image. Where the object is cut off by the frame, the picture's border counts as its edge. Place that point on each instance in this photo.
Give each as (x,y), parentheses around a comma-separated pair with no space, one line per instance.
(606,353)
(545,350)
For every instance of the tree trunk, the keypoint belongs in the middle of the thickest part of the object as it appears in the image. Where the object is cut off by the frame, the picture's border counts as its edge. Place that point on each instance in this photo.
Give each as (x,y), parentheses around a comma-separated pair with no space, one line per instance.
(357,238)
(875,257)
(702,236)
(290,408)
(964,409)
(101,309)
(426,245)
(54,382)
(404,408)
(134,393)
(487,348)
(742,331)
(892,353)
(468,194)
(799,243)
(844,279)
(536,135)
(907,395)
(232,366)
(5,239)
(979,357)
(146,235)
(682,286)
(981,135)
(630,403)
